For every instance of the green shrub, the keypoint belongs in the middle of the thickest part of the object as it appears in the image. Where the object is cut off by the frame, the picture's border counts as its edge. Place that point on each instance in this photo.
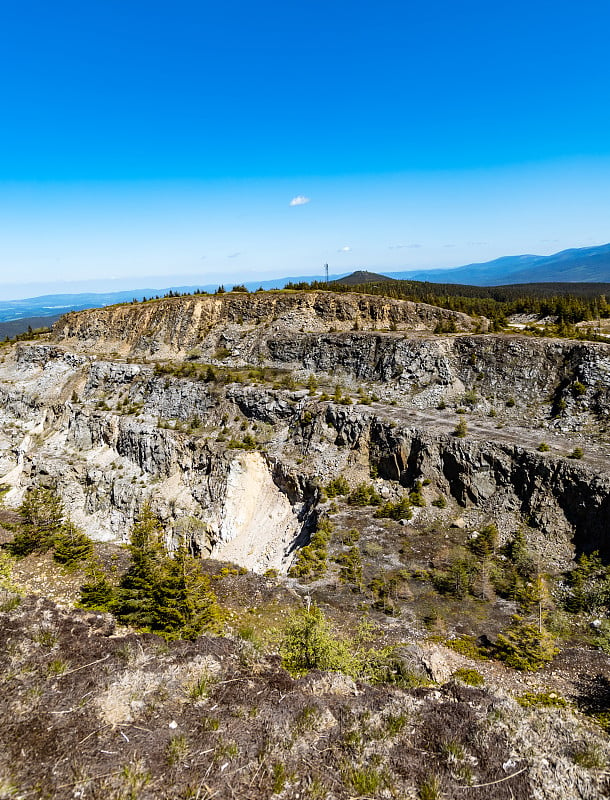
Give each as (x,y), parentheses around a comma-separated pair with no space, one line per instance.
(577,453)
(309,643)
(349,537)
(484,544)
(312,384)
(588,585)
(525,645)
(466,646)
(337,487)
(461,429)
(312,560)
(578,389)
(543,447)
(440,502)
(416,497)
(247,443)
(388,586)
(364,495)
(351,566)
(470,676)
(459,578)
(470,398)
(399,510)
(541,700)
(271,573)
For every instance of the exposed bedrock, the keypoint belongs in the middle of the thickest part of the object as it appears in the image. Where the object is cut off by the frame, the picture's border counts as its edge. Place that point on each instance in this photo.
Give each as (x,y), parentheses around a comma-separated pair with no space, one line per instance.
(98,429)
(236,505)
(567,501)
(349,337)
(174,326)
(530,371)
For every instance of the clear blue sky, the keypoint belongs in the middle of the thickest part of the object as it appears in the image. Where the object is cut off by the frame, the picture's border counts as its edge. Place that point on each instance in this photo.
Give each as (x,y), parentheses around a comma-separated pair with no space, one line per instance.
(157,138)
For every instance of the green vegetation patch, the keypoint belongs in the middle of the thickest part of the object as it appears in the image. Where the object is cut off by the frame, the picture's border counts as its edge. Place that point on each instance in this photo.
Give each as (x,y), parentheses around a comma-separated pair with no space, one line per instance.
(312,560)
(542,700)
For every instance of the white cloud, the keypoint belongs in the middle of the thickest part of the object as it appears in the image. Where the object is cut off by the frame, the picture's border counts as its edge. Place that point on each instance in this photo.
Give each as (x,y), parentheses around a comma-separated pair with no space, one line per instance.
(403,246)
(346,249)
(299,200)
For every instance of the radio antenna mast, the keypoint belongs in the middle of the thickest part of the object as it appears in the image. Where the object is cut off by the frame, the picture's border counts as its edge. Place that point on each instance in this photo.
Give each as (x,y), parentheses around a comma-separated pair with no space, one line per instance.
(326,270)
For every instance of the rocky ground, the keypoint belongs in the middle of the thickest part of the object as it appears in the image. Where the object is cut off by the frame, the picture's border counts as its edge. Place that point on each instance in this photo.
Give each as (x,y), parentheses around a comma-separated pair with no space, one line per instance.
(231,415)
(89,712)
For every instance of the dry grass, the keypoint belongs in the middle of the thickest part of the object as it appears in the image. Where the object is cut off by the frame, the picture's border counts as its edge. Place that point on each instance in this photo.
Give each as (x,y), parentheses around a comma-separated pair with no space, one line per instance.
(135,717)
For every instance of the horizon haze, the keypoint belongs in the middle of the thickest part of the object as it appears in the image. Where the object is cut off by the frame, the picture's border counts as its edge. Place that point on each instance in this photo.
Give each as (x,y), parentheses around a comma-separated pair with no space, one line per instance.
(246,143)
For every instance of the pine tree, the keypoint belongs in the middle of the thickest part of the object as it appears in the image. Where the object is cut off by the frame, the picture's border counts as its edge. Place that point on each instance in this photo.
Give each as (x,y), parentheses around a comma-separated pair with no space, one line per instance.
(309,643)
(98,592)
(41,520)
(160,593)
(134,604)
(183,603)
(71,545)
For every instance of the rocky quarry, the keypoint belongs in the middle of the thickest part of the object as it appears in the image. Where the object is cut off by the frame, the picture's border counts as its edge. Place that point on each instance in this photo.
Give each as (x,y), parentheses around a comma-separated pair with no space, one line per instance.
(231,415)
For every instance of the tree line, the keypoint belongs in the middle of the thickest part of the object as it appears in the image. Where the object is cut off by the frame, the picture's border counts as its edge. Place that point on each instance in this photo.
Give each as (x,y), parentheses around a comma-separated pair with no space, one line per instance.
(568,302)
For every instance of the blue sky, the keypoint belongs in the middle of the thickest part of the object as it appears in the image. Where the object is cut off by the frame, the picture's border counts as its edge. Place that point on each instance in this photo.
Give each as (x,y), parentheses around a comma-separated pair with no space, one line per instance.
(144,139)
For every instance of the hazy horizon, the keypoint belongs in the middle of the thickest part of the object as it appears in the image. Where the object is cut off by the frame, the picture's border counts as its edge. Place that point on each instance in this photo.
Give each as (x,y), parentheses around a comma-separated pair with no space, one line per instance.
(245,142)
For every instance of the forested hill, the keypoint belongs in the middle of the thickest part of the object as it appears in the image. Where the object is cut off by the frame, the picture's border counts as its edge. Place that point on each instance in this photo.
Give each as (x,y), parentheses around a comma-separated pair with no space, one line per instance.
(569,302)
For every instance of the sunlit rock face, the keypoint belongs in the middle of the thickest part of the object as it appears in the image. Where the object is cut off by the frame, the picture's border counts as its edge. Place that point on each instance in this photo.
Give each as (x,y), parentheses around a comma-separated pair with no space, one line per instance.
(93,412)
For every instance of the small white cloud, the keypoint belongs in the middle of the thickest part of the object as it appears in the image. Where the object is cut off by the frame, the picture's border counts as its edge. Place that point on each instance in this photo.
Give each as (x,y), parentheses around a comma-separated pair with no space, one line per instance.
(299,200)
(346,249)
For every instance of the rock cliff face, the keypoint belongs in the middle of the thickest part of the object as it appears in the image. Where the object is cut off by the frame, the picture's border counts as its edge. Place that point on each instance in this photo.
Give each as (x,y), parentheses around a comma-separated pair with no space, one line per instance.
(314,332)
(557,496)
(241,323)
(113,432)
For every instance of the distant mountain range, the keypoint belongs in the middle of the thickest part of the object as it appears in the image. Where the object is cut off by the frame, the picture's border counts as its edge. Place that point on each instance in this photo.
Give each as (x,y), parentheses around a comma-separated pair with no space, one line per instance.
(579,265)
